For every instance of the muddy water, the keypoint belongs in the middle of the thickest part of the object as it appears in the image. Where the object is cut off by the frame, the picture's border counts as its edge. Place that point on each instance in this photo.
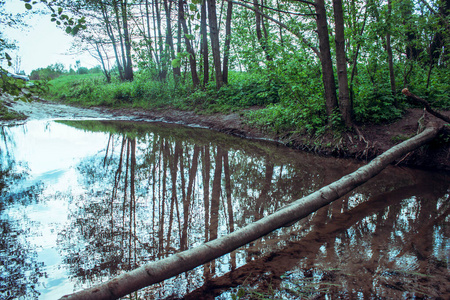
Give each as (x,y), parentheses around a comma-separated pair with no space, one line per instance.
(83,201)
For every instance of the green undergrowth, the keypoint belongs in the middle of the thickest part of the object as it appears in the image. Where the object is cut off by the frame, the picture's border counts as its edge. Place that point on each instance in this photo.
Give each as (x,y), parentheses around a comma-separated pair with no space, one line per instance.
(9,115)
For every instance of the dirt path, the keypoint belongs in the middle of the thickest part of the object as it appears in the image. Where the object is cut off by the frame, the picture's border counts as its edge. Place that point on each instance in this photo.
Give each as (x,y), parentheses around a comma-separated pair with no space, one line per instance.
(44,110)
(372,140)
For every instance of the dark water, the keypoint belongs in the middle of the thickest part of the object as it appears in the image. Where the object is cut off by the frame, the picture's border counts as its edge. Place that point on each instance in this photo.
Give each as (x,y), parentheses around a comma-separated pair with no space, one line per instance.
(83,201)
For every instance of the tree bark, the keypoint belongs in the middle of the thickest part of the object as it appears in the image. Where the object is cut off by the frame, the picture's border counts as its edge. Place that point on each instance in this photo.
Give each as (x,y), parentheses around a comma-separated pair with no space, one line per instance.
(341,64)
(204,47)
(165,268)
(226,48)
(189,49)
(258,21)
(215,43)
(325,58)
(169,39)
(128,62)
(389,52)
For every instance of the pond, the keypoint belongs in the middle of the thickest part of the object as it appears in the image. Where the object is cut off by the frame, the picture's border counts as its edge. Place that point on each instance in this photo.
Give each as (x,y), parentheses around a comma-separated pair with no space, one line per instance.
(84,201)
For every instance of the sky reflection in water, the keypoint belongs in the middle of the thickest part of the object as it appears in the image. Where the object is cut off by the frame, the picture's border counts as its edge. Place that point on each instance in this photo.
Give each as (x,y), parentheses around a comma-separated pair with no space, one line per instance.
(82,201)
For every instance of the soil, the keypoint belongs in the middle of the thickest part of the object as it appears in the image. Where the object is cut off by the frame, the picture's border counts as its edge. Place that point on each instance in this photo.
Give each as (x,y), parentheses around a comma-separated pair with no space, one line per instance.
(365,143)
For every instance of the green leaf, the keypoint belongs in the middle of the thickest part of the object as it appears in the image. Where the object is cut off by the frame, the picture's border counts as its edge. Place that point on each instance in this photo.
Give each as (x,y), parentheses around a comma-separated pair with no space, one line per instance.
(7,56)
(28,6)
(68,29)
(192,7)
(60,10)
(75,30)
(176,63)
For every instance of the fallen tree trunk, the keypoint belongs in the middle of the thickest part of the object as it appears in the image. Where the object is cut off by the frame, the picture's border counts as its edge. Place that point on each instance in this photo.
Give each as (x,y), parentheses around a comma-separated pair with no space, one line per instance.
(425,103)
(158,271)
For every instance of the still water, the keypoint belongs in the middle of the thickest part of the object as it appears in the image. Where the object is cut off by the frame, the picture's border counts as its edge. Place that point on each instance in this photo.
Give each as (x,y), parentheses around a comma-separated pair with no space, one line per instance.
(83,201)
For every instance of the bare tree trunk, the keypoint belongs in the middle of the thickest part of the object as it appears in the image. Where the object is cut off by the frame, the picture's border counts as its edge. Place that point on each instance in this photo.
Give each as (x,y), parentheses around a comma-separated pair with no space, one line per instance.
(389,52)
(204,48)
(165,268)
(169,39)
(341,64)
(128,64)
(106,72)
(110,33)
(162,58)
(262,41)
(325,58)
(427,106)
(226,48)
(189,49)
(215,43)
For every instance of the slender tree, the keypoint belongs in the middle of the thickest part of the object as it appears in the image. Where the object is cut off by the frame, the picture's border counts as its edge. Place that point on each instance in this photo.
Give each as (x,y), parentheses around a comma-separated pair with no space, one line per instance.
(325,58)
(189,48)
(341,63)
(215,42)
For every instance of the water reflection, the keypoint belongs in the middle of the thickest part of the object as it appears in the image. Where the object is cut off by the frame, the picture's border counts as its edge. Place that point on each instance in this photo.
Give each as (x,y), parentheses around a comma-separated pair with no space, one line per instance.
(19,269)
(110,196)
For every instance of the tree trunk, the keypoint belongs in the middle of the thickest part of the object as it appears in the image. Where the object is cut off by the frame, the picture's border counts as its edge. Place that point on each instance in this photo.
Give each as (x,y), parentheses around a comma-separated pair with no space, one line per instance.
(110,33)
(325,58)
(189,49)
(425,103)
(226,48)
(389,52)
(187,260)
(341,64)
(162,58)
(262,41)
(128,63)
(169,39)
(204,48)
(215,43)
(106,72)
(119,30)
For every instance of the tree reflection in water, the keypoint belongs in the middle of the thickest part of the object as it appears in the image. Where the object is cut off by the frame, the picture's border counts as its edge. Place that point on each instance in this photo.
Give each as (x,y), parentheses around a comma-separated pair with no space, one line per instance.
(154,190)
(19,268)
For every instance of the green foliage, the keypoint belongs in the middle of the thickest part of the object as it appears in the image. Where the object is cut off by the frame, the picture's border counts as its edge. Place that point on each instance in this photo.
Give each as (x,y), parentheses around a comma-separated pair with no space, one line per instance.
(253,90)
(82,70)
(8,115)
(84,89)
(375,106)
(48,73)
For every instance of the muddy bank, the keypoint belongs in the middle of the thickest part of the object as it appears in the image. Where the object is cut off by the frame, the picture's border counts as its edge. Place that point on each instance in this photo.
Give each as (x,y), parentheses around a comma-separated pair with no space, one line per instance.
(365,145)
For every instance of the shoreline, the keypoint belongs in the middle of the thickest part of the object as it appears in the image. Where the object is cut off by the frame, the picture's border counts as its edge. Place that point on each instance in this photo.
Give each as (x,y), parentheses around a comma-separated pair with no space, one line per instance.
(370,141)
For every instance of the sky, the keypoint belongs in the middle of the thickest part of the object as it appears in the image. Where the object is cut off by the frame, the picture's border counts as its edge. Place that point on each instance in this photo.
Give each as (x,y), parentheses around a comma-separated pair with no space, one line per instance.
(42,43)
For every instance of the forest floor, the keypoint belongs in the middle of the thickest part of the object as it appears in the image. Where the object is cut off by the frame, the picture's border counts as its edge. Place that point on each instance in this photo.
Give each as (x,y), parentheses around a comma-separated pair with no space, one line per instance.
(364,144)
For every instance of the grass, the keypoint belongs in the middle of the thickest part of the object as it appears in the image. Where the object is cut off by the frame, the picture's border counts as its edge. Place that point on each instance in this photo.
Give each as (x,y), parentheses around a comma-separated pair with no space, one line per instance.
(9,115)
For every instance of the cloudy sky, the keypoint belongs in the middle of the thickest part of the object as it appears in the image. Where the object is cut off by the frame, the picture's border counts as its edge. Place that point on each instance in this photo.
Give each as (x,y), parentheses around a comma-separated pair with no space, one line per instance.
(42,43)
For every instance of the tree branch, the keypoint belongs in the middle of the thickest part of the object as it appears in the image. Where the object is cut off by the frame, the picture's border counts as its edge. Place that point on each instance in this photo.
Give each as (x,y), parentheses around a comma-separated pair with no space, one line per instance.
(314,49)
(278,10)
